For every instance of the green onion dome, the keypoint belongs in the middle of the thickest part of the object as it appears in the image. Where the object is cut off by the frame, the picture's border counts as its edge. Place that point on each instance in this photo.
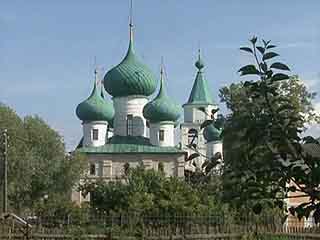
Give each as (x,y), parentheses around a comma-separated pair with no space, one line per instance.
(162,108)
(130,77)
(211,133)
(95,108)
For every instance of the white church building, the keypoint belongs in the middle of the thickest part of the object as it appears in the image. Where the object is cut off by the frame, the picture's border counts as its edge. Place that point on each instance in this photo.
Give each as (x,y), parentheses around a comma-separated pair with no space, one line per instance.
(132,129)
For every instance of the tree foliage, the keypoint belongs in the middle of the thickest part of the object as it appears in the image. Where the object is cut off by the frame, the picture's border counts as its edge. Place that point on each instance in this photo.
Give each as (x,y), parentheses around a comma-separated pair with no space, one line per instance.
(38,165)
(147,192)
(264,151)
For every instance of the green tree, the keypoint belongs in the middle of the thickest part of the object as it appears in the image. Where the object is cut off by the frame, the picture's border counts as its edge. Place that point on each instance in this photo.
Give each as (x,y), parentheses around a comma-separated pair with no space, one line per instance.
(149,192)
(38,164)
(262,135)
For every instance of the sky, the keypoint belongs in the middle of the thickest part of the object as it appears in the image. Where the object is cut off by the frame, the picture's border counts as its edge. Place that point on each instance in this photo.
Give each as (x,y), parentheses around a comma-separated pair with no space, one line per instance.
(48,48)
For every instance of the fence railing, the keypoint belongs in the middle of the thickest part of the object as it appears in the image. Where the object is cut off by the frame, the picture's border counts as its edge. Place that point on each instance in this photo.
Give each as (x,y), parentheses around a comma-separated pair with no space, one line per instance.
(154,227)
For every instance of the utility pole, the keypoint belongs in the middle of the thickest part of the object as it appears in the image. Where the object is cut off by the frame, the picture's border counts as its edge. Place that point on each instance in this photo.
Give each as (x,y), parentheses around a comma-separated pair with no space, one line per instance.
(5,171)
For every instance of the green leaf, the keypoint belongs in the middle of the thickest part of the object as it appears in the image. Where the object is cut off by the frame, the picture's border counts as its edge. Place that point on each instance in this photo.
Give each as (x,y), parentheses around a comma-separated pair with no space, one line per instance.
(253,40)
(211,165)
(310,139)
(281,66)
(206,123)
(246,49)
(249,69)
(216,156)
(265,43)
(269,55)
(269,73)
(214,111)
(279,77)
(271,46)
(261,49)
(192,156)
(264,66)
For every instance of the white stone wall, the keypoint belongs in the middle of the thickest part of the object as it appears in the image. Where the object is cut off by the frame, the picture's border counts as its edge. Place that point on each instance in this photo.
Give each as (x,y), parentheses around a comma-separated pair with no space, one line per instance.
(213,148)
(111,166)
(168,128)
(193,115)
(129,105)
(88,133)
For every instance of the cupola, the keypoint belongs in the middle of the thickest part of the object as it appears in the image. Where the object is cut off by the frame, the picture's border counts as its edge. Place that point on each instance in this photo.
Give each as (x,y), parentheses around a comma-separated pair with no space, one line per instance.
(95,107)
(200,93)
(162,108)
(130,76)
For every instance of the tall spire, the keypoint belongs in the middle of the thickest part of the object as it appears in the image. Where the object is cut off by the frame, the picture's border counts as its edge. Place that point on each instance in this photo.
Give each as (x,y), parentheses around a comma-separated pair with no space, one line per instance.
(162,73)
(131,22)
(96,75)
(200,93)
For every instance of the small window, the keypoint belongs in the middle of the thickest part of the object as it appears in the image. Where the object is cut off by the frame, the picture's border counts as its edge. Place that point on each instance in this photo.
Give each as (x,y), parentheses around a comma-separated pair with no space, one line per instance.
(192,136)
(92,169)
(161,135)
(126,168)
(161,167)
(129,125)
(95,134)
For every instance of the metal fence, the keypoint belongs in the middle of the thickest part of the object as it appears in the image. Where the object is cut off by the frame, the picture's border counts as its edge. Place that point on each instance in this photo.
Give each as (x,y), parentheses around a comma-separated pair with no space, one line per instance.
(153,227)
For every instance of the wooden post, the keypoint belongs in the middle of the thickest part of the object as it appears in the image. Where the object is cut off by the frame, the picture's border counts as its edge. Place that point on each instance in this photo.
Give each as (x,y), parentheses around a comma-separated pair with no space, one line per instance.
(5,172)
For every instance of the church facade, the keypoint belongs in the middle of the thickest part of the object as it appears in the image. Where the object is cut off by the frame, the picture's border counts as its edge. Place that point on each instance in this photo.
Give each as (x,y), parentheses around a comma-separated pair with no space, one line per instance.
(132,129)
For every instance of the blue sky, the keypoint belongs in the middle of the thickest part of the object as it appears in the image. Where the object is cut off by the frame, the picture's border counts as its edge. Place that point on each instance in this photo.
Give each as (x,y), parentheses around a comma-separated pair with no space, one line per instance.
(47,48)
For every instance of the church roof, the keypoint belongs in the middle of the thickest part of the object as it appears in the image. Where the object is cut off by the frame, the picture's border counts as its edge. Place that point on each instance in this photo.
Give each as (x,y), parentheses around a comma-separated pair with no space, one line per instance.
(200,93)
(95,107)
(129,145)
(162,108)
(130,76)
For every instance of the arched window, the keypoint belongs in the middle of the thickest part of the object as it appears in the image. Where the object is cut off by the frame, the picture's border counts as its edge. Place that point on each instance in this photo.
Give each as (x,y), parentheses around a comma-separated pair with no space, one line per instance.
(95,134)
(92,170)
(192,136)
(161,135)
(129,125)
